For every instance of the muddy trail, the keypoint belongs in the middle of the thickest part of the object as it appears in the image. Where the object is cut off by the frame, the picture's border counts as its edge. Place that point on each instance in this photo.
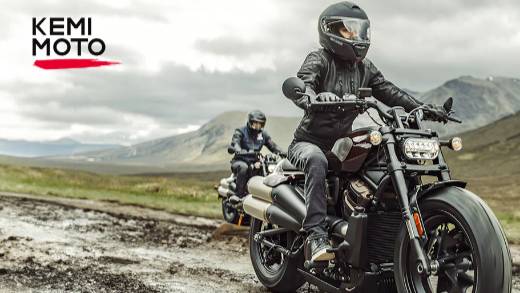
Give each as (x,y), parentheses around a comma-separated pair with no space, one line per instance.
(52,247)
(56,245)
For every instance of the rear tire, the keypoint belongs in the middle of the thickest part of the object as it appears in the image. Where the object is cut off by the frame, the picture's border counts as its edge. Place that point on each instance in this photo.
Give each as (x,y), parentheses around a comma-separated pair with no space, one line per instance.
(275,271)
(464,232)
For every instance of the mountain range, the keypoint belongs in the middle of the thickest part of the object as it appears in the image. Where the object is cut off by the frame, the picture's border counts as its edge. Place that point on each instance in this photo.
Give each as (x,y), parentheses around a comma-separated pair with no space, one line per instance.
(64,146)
(477,102)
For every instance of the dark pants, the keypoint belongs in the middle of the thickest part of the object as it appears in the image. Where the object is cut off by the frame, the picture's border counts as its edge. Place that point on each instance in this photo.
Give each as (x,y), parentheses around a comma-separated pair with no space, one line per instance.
(311,159)
(242,172)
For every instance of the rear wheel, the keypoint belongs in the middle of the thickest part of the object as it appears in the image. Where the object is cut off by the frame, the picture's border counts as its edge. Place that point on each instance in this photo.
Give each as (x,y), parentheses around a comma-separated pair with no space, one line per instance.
(274,270)
(464,237)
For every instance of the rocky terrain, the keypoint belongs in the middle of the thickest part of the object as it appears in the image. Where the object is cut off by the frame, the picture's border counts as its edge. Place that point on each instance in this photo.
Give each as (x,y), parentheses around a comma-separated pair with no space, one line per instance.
(56,247)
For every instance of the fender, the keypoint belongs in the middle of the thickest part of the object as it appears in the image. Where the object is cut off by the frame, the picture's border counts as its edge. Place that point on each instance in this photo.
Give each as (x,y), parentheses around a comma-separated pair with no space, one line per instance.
(429,189)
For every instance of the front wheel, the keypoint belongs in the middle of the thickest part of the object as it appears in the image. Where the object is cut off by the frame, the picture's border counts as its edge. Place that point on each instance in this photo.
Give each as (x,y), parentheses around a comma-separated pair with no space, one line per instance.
(229,213)
(275,271)
(465,238)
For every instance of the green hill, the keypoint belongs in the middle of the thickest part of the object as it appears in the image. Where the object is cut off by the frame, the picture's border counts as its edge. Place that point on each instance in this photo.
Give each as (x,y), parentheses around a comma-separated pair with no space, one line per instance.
(490,163)
(495,147)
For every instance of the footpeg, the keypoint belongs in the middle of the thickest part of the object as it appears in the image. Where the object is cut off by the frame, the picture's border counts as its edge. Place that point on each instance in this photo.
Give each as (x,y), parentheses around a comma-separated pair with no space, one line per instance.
(342,251)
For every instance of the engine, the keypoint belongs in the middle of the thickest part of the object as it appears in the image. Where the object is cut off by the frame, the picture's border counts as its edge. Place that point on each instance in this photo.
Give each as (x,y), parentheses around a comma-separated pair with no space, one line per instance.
(356,194)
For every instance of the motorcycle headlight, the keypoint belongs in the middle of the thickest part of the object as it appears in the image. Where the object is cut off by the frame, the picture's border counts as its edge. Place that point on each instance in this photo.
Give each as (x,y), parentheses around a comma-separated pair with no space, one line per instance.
(421,148)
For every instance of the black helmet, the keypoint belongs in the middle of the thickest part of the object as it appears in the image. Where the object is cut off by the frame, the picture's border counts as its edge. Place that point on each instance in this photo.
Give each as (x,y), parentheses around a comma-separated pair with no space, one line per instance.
(256,116)
(352,21)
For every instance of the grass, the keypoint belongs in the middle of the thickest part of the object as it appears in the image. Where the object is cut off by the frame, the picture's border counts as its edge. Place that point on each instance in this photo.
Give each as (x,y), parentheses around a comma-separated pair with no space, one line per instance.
(193,193)
(502,194)
(178,193)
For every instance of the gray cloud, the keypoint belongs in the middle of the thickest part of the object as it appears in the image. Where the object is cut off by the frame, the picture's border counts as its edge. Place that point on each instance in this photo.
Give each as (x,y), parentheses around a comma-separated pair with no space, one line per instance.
(174,97)
(136,8)
(416,44)
(230,46)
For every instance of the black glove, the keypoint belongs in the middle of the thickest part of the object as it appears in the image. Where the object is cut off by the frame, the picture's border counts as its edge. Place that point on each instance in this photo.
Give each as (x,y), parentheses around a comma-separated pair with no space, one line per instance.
(327,97)
(435,113)
(282,154)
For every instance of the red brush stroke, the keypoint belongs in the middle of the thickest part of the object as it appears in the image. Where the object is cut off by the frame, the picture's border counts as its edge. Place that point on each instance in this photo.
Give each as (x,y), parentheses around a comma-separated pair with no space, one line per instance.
(71,63)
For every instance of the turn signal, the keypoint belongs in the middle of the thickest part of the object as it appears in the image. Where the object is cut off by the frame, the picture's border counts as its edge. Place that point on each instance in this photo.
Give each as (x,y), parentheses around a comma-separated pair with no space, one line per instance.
(417,220)
(456,144)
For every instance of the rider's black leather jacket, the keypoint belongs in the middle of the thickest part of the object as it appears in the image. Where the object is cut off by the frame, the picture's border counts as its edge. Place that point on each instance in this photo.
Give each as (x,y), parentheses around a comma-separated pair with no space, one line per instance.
(321,72)
(249,140)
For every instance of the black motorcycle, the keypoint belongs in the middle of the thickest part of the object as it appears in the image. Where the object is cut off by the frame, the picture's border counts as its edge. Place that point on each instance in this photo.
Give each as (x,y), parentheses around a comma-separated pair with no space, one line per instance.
(397,221)
(231,204)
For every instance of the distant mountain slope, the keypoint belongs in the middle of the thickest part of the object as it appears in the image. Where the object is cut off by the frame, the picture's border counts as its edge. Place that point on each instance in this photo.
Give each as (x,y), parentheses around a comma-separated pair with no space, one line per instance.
(205,147)
(476,101)
(64,146)
(492,150)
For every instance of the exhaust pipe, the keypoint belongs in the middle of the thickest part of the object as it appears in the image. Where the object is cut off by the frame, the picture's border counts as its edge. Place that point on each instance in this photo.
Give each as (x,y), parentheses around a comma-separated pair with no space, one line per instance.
(279,217)
(224,192)
(285,196)
(283,206)
(280,205)
(227,184)
(258,189)
(255,207)
(270,213)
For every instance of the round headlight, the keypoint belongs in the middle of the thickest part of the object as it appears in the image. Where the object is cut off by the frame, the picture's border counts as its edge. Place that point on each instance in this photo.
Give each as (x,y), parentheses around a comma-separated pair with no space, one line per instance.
(375,137)
(456,144)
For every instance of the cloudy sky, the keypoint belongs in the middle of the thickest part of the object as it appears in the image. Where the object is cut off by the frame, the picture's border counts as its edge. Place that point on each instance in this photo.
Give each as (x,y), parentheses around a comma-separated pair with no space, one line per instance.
(184,62)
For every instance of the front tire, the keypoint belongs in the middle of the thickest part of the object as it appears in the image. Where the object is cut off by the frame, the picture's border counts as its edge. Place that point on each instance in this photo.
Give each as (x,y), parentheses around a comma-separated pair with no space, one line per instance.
(466,237)
(274,270)
(229,213)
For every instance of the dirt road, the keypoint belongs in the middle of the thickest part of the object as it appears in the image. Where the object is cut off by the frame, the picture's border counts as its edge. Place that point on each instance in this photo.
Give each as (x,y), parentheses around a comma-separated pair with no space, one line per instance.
(56,245)
(53,246)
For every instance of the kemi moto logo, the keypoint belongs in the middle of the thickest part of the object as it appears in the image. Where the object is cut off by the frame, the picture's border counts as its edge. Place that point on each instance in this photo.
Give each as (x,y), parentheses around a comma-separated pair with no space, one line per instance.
(65,36)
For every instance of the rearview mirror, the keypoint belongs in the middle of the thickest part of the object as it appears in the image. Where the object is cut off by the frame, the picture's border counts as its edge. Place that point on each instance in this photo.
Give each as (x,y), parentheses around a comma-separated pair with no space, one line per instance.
(293,87)
(364,92)
(448,105)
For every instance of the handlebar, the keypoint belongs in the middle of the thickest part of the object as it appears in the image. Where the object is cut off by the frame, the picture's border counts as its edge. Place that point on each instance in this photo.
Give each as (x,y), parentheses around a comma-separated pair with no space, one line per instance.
(340,106)
(357,104)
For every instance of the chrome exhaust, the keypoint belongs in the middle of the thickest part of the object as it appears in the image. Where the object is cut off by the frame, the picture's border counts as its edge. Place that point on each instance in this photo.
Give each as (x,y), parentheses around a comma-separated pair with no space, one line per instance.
(258,189)
(255,207)
(269,213)
(224,192)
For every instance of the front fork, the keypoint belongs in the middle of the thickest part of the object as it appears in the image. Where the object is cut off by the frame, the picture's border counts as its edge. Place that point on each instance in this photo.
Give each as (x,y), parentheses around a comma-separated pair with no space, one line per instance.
(396,170)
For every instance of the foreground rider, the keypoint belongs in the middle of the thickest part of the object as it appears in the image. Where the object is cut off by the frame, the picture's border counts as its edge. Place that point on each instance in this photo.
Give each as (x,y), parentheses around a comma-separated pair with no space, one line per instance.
(246,144)
(339,68)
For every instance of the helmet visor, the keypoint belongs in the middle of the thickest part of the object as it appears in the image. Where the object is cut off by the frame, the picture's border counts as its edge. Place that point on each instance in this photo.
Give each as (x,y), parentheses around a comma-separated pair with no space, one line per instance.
(352,29)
